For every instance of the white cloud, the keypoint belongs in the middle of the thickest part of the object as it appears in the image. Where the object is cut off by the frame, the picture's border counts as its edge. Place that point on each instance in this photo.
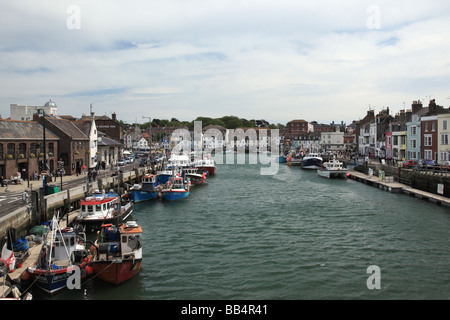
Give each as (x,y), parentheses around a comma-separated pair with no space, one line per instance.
(276,60)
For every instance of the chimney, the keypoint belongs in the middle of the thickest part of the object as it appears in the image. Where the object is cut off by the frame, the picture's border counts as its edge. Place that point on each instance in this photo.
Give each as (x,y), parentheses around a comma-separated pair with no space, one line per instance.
(408,115)
(416,106)
(432,107)
(114,117)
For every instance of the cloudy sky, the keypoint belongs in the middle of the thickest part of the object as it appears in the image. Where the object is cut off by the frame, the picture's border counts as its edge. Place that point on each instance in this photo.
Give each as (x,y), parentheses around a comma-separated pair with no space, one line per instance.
(276,60)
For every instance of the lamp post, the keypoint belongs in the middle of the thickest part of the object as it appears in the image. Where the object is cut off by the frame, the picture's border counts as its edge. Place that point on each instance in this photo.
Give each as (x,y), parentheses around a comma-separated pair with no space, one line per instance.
(44,164)
(150,121)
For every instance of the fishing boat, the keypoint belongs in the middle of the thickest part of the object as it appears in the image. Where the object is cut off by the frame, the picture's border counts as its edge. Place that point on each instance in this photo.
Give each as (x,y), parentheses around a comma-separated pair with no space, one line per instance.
(176,188)
(147,190)
(332,169)
(282,158)
(294,160)
(100,208)
(312,161)
(179,161)
(207,165)
(196,176)
(162,176)
(62,258)
(118,252)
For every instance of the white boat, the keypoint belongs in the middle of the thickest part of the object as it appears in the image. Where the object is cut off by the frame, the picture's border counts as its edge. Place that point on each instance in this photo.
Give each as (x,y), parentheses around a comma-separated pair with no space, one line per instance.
(180,160)
(312,161)
(207,165)
(333,169)
(102,208)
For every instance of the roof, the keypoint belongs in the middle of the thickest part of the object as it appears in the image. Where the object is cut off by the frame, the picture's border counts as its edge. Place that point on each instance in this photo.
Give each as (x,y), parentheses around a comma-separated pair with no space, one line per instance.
(24,130)
(68,127)
(108,142)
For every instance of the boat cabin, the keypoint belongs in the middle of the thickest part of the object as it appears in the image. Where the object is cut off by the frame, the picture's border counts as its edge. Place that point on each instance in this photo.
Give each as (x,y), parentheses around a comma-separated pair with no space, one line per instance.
(99,205)
(119,241)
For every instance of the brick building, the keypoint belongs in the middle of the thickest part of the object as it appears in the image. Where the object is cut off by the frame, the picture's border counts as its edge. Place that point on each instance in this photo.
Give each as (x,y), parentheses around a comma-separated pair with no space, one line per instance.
(22,148)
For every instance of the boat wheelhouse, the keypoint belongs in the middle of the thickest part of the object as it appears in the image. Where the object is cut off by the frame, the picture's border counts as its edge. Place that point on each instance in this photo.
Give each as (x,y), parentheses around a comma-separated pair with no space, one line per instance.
(176,188)
(118,252)
(103,208)
(149,189)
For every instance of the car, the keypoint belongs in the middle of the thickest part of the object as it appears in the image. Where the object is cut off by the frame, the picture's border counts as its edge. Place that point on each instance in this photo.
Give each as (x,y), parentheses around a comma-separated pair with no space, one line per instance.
(446,165)
(423,163)
(409,164)
(121,162)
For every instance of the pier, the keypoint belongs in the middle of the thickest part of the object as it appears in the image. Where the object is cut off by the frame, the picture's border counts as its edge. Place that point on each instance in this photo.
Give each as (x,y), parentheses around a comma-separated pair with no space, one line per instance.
(388,184)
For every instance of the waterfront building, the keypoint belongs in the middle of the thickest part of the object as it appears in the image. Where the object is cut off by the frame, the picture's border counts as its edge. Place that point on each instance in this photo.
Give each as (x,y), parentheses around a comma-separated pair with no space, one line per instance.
(89,128)
(299,126)
(332,141)
(443,147)
(388,145)
(73,143)
(362,131)
(109,149)
(413,129)
(22,148)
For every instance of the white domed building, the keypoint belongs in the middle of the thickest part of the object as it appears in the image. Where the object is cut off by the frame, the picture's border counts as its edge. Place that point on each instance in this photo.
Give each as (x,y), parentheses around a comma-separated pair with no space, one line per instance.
(25,113)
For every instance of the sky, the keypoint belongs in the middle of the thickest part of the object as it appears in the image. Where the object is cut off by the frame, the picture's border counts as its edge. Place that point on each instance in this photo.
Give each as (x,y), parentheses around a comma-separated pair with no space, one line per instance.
(255,59)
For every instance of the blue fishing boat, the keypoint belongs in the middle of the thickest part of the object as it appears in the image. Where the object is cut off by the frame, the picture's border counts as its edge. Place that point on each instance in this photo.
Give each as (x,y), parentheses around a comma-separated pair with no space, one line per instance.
(176,188)
(163,176)
(148,190)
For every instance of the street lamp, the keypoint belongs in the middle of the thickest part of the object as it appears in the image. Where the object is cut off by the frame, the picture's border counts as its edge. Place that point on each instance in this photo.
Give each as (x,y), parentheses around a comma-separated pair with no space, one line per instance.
(44,164)
(150,121)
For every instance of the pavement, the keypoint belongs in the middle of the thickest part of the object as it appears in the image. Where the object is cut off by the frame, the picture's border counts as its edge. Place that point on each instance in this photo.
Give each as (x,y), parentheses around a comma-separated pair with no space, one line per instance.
(12,196)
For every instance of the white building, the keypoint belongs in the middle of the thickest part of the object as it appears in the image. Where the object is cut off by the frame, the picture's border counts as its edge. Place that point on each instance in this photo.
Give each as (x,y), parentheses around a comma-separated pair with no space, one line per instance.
(25,113)
(332,140)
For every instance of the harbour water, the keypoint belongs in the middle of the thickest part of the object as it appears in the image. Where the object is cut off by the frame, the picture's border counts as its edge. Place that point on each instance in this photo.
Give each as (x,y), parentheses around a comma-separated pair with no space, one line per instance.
(288,236)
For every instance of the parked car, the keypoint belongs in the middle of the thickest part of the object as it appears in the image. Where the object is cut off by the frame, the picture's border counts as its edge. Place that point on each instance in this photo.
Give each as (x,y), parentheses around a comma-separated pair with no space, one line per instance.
(121,162)
(446,165)
(409,164)
(423,163)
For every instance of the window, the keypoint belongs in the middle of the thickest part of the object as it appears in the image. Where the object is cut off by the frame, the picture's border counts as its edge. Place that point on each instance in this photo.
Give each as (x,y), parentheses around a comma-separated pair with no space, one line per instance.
(1,151)
(444,138)
(426,126)
(444,156)
(444,124)
(428,140)
(413,129)
(23,148)
(428,154)
(11,150)
(433,125)
(413,143)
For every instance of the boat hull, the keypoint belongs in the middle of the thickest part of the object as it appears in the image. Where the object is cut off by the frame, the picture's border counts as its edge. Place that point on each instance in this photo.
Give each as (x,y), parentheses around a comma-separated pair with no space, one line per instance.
(117,272)
(175,194)
(281,159)
(311,163)
(53,281)
(211,170)
(142,195)
(332,173)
